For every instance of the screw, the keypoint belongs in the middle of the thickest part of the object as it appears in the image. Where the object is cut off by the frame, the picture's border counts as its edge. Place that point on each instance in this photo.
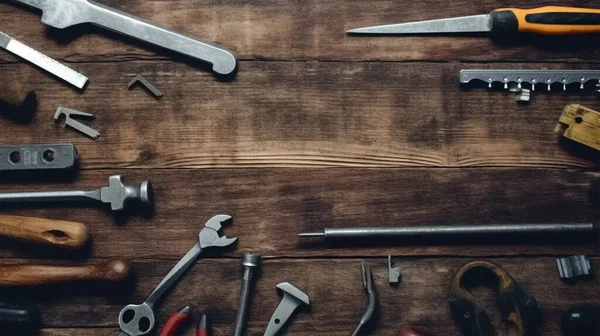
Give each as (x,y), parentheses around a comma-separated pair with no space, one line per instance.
(250,261)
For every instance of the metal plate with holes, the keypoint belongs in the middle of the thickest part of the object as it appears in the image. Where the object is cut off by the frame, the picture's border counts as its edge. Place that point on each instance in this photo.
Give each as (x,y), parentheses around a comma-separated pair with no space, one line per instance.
(38,157)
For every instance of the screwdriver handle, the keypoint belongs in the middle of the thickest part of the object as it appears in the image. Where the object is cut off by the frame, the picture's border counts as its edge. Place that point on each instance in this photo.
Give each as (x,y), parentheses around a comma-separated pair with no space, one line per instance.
(549,20)
(50,232)
(29,275)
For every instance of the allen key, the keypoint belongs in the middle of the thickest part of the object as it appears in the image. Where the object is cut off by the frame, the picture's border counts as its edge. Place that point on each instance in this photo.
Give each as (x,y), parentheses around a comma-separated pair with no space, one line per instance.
(140,79)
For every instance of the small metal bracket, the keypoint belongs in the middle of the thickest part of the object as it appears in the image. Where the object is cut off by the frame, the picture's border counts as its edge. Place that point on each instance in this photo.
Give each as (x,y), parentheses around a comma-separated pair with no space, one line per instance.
(68,113)
(151,88)
(393,273)
(574,267)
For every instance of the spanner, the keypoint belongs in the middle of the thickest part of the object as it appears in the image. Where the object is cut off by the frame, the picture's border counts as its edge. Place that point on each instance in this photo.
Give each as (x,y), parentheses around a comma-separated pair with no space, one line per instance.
(66,13)
(137,320)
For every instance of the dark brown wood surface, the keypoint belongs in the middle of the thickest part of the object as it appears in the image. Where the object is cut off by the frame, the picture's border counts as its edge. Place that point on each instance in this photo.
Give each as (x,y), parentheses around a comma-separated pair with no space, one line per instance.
(318,129)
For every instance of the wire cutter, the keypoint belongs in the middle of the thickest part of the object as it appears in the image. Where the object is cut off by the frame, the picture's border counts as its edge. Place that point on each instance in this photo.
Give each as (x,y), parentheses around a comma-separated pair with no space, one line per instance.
(182,317)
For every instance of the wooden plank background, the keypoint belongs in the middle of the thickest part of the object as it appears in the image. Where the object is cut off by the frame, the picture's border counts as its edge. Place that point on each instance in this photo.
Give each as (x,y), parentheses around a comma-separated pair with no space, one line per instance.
(317,129)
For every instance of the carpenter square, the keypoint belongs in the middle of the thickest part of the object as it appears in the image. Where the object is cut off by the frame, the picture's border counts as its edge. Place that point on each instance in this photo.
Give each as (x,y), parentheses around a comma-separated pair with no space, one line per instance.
(68,75)
(67,13)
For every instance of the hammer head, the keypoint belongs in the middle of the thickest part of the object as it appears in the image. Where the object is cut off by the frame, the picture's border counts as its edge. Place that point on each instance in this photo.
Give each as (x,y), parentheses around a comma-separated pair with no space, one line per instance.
(121,195)
(293,293)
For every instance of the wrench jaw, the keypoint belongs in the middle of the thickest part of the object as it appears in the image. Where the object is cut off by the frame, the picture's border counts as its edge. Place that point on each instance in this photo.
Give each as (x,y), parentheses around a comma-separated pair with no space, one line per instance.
(209,236)
(136,320)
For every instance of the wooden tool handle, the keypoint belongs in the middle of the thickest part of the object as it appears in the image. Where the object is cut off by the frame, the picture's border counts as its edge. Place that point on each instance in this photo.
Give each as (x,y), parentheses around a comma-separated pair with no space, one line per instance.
(28,275)
(550,20)
(45,231)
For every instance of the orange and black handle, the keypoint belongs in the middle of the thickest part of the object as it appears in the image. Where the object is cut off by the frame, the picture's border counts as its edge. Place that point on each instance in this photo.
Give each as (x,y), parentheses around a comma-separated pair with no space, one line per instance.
(176,321)
(550,20)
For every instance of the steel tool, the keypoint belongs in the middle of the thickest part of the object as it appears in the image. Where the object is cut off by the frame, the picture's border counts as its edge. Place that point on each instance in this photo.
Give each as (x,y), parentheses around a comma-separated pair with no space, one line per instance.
(118,194)
(66,13)
(250,262)
(368,283)
(574,267)
(144,82)
(19,319)
(564,232)
(51,232)
(550,20)
(136,320)
(292,299)
(581,321)
(30,275)
(393,273)
(520,311)
(38,158)
(530,77)
(70,76)
(69,114)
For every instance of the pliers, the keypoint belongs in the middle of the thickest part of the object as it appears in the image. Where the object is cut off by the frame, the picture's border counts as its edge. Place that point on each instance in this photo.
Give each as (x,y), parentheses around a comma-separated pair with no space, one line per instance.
(178,319)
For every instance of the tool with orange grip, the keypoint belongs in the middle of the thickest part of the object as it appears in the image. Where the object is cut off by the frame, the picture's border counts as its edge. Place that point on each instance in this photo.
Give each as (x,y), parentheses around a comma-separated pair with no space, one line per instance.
(549,20)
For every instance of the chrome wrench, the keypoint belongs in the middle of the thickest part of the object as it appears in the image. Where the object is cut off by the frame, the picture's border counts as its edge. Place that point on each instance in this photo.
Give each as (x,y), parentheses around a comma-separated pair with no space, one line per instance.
(66,13)
(138,320)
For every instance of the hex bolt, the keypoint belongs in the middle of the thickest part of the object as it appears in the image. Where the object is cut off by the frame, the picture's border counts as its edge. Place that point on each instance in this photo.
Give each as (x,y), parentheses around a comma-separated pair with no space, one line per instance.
(250,262)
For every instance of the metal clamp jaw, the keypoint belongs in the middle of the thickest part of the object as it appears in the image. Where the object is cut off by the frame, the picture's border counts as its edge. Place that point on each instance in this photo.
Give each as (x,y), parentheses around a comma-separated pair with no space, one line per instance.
(519,310)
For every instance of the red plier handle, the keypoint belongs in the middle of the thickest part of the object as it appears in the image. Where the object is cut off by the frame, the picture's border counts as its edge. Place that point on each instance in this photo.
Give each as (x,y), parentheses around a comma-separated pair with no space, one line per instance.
(176,320)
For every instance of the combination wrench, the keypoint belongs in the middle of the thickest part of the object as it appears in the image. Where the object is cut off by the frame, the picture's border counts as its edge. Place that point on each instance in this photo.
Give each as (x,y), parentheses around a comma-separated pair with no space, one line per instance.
(138,320)
(67,13)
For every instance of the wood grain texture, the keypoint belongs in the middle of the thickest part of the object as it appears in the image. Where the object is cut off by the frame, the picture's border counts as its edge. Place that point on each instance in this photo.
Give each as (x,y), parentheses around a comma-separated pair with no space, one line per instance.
(335,289)
(271,206)
(298,30)
(281,114)
(50,232)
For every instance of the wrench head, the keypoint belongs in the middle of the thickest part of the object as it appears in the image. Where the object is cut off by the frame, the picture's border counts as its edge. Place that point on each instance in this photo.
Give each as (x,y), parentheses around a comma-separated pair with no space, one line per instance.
(136,320)
(61,13)
(209,236)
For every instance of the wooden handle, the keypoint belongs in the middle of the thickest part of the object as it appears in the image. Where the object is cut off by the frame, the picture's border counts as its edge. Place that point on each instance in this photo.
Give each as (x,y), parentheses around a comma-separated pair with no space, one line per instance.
(51,232)
(28,275)
(549,20)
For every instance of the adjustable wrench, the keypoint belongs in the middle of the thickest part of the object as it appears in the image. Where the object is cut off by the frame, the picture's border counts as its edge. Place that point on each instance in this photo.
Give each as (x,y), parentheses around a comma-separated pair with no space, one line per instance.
(138,320)
(66,13)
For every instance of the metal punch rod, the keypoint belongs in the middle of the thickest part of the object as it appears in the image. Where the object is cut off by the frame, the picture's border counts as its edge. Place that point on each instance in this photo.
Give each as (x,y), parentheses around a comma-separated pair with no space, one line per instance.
(456,231)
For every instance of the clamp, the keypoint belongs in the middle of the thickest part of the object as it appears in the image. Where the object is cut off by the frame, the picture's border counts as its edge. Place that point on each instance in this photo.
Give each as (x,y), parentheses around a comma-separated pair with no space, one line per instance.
(520,311)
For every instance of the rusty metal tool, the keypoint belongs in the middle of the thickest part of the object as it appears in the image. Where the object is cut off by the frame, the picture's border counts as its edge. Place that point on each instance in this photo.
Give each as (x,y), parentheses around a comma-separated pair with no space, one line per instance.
(292,299)
(51,232)
(66,13)
(520,311)
(137,320)
(69,121)
(68,75)
(549,20)
(118,194)
(29,275)
(368,283)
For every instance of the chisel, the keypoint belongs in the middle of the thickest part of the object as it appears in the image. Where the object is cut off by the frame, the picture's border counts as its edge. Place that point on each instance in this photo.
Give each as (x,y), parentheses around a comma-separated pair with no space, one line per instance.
(549,20)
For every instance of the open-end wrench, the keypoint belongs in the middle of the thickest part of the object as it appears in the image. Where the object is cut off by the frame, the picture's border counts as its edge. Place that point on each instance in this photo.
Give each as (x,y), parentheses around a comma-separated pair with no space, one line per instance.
(66,13)
(137,320)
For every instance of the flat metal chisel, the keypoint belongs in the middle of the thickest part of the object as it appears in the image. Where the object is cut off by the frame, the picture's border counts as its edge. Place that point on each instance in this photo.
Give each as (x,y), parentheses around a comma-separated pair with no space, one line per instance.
(549,20)
(68,75)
